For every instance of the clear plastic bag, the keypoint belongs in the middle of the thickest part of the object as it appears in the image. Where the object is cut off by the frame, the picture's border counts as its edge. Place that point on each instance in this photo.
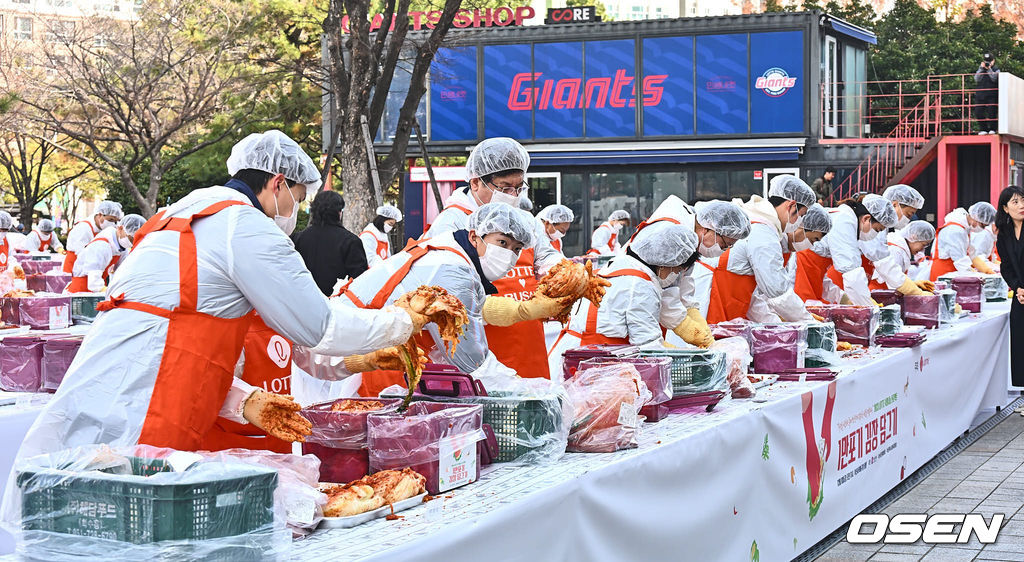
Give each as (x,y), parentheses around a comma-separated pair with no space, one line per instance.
(924,310)
(947,306)
(21,359)
(737,358)
(94,502)
(777,347)
(655,372)
(821,345)
(890,320)
(732,328)
(854,324)
(606,403)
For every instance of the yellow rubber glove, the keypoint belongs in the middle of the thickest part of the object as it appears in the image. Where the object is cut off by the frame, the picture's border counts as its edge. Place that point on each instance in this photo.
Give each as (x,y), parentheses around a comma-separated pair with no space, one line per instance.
(278,415)
(845,299)
(910,288)
(957,310)
(925,285)
(694,329)
(876,303)
(504,311)
(981,264)
(388,359)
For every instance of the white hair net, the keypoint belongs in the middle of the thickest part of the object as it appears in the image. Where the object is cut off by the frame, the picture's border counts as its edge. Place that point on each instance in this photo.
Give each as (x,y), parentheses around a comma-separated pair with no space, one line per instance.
(273,152)
(881,209)
(665,244)
(982,212)
(132,223)
(496,155)
(619,215)
(389,211)
(6,220)
(723,217)
(556,214)
(525,204)
(110,209)
(904,195)
(502,218)
(918,231)
(46,225)
(817,219)
(792,188)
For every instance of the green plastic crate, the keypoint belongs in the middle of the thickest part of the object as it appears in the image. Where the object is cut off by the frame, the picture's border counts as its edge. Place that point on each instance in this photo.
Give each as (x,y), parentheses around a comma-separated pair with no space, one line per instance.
(821,344)
(85,305)
(694,370)
(121,508)
(890,320)
(521,425)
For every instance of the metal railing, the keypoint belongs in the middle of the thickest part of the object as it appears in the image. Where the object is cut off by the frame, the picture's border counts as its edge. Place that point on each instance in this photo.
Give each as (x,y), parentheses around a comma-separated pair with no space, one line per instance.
(898,117)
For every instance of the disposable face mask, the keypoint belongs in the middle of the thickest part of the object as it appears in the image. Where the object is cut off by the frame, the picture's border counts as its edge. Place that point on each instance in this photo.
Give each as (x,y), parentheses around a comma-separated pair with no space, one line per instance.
(556,235)
(976,229)
(286,224)
(802,245)
(497,262)
(617,227)
(869,235)
(125,243)
(499,197)
(791,227)
(711,251)
(388,228)
(903,222)
(670,280)
(105,224)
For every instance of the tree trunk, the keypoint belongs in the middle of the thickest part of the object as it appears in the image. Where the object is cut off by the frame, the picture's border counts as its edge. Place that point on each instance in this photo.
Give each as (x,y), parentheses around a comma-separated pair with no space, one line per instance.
(27,207)
(360,205)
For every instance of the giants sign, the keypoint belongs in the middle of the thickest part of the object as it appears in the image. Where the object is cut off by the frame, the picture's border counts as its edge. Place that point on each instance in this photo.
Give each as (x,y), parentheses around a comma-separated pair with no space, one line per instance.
(574,93)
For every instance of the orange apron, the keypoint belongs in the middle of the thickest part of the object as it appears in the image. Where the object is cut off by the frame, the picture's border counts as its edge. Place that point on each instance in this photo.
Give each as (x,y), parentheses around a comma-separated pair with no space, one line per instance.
(810,275)
(730,292)
(5,252)
(942,266)
(81,284)
(611,241)
(375,381)
(557,244)
(837,278)
(520,346)
(199,356)
(383,248)
(268,365)
(69,256)
(590,335)
(44,244)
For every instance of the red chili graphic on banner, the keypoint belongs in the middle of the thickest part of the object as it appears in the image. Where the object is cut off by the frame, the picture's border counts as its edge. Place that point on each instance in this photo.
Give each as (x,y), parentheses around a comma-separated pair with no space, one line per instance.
(817,455)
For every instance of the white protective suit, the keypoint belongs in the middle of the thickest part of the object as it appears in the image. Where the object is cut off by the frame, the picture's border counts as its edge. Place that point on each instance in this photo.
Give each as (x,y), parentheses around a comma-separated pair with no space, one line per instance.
(541,238)
(370,236)
(630,309)
(16,239)
(33,240)
(842,244)
(244,262)
(761,254)
(887,268)
(954,242)
(81,234)
(602,235)
(96,257)
(899,253)
(984,242)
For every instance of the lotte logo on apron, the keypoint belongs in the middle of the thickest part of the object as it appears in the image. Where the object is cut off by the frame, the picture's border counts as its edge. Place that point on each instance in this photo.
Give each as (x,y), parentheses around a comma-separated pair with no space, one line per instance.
(279,351)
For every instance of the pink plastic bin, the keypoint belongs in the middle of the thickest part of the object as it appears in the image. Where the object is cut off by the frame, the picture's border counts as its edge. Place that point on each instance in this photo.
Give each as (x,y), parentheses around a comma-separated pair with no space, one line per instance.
(572,357)
(777,347)
(21,359)
(58,353)
(656,373)
(969,292)
(47,283)
(410,439)
(921,310)
(339,439)
(37,312)
(38,267)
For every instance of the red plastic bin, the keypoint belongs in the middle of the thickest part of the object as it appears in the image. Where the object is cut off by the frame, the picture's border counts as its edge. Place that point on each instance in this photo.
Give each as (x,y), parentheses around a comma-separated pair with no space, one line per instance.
(38,267)
(655,372)
(412,439)
(47,283)
(572,357)
(37,312)
(339,439)
(970,292)
(58,353)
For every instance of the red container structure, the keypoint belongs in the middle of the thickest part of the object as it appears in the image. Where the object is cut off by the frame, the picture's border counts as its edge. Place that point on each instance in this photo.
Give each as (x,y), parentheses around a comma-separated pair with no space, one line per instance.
(419,437)
(21,362)
(58,353)
(339,439)
(970,292)
(854,324)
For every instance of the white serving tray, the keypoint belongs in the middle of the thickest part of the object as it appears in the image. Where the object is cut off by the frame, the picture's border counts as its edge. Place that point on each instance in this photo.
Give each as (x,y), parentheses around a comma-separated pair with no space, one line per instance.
(353,520)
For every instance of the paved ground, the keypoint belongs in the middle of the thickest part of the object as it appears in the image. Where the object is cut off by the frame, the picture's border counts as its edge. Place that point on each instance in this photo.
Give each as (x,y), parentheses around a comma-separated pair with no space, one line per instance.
(987,477)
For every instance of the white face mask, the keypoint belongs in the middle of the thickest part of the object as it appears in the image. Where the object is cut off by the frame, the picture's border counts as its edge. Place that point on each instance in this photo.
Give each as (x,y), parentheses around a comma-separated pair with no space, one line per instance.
(617,227)
(125,243)
(802,245)
(105,224)
(976,229)
(869,235)
(286,224)
(903,222)
(792,226)
(497,262)
(670,280)
(388,228)
(499,197)
(710,251)
(556,235)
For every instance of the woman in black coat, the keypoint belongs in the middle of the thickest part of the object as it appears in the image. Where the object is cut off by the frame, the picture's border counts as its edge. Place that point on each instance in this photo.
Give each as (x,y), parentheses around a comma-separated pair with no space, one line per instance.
(1009,219)
(330,251)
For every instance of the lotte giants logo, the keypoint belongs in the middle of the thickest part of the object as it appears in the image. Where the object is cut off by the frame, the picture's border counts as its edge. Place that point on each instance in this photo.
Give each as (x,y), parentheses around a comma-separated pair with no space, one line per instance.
(775,82)
(574,93)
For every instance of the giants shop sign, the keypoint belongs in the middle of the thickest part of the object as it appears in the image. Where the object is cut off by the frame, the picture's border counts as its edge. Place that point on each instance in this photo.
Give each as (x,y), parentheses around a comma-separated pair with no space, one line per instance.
(489,17)
(530,92)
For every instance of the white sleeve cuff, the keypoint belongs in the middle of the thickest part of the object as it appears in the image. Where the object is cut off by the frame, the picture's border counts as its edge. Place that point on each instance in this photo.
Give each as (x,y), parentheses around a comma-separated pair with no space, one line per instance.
(239,392)
(354,331)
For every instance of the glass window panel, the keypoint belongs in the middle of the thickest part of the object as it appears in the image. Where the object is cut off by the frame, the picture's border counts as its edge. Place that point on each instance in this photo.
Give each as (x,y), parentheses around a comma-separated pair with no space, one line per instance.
(577,240)
(710,184)
(742,184)
(610,192)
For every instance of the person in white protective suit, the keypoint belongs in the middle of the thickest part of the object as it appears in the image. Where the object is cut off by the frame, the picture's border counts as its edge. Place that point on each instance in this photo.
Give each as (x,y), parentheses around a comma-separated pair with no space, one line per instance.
(466,263)
(605,240)
(107,214)
(8,246)
(907,242)
(839,256)
(99,258)
(157,367)
(813,227)
(631,309)
(42,239)
(887,273)
(718,226)
(984,243)
(953,250)
(757,264)
(375,236)
(553,222)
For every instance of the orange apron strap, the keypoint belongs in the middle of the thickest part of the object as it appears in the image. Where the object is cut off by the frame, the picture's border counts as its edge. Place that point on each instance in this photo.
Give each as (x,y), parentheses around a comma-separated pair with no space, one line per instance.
(647,223)
(415,252)
(625,273)
(459,207)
